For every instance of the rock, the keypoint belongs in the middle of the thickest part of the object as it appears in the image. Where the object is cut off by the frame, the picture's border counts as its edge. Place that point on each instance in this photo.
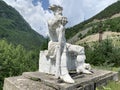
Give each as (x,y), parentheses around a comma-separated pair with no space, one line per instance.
(42,81)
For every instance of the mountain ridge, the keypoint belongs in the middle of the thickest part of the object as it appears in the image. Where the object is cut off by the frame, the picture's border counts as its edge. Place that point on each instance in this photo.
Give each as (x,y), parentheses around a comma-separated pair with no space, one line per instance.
(16,30)
(108,18)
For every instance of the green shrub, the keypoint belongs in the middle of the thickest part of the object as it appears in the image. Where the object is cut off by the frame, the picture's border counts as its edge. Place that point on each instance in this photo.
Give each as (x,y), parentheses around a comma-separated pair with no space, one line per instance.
(14,60)
(103,53)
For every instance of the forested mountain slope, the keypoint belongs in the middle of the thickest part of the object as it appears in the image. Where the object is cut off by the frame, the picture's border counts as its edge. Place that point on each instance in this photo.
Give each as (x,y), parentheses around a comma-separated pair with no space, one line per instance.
(107,20)
(16,30)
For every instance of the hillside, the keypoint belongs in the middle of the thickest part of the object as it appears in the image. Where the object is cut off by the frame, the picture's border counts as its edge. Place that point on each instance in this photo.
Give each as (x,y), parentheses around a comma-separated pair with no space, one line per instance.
(107,20)
(16,30)
(95,37)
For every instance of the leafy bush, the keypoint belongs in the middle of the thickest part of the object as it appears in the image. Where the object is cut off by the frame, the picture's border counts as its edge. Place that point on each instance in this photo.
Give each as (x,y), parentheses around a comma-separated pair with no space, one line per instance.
(103,53)
(14,60)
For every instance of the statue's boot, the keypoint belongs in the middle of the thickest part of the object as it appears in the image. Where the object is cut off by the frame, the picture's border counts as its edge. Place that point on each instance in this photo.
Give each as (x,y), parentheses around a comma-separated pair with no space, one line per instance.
(67,78)
(83,70)
(65,75)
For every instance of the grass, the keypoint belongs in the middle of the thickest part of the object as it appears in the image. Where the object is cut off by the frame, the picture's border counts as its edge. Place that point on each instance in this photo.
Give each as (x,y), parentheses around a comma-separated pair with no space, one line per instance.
(112,85)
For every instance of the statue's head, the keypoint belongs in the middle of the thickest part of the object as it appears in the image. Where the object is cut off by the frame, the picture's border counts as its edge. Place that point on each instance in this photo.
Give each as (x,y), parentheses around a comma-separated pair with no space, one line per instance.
(64,21)
(56,9)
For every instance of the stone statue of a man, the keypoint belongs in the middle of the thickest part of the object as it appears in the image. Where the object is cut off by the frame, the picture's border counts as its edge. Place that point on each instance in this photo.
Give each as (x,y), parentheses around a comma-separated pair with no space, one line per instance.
(59,50)
(57,45)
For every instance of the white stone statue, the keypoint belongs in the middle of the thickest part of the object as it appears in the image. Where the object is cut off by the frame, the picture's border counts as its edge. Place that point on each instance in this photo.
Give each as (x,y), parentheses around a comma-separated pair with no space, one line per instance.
(61,56)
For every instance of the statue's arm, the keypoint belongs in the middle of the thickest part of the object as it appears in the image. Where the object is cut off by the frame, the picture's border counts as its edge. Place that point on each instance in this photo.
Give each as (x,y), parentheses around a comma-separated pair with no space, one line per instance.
(55,21)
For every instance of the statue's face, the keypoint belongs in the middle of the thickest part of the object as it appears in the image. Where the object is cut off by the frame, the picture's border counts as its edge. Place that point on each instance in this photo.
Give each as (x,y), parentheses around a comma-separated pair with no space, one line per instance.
(64,21)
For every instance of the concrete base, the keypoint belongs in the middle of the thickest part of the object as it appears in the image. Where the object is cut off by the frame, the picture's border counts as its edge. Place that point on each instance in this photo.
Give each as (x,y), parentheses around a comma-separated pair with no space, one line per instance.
(41,81)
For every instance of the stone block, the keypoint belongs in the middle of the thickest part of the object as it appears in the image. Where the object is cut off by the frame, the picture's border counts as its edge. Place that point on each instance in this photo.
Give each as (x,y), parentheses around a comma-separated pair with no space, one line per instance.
(42,81)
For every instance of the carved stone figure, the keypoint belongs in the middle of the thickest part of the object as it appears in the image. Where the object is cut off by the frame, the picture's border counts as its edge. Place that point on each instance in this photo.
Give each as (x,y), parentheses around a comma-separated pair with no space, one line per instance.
(61,56)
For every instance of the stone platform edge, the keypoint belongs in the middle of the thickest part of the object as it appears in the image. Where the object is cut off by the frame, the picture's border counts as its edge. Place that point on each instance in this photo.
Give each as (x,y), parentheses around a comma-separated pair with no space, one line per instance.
(41,81)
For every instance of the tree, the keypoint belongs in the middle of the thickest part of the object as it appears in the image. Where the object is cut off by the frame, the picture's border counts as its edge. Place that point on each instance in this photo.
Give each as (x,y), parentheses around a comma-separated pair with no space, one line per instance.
(14,60)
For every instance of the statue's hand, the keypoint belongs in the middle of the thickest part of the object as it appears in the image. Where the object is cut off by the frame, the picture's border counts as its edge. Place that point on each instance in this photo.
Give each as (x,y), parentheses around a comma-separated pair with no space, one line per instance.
(64,21)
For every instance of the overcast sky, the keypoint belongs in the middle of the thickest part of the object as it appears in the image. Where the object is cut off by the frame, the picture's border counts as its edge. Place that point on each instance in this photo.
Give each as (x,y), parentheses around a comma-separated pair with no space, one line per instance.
(36,12)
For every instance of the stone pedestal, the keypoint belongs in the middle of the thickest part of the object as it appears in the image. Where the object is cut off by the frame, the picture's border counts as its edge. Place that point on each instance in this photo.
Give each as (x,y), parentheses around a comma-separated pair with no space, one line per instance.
(41,81)
(47,65)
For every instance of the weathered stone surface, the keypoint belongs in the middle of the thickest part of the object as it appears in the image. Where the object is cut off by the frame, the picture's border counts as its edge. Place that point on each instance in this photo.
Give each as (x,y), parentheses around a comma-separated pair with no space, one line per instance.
(41,81)
(22,83)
